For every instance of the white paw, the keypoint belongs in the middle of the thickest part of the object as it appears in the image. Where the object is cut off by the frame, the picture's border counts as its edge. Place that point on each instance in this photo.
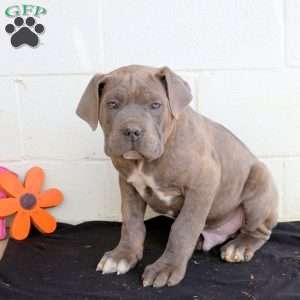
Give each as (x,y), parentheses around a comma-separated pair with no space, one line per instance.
(231,253)
(123,266)
(109,265)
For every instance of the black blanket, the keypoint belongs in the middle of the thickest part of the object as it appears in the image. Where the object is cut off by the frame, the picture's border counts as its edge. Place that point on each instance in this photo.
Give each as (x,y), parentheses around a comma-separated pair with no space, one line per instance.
(62,266)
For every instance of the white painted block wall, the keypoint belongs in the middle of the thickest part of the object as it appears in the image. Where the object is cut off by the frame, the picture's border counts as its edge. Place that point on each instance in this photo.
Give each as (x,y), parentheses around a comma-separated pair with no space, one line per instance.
(242,59)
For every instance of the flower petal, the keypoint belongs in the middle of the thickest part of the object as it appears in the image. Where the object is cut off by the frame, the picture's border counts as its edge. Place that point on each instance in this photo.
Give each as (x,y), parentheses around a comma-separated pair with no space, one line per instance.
(8,206)
(21,226)
(34,180)
(43,221)
(11,184)
(50,198)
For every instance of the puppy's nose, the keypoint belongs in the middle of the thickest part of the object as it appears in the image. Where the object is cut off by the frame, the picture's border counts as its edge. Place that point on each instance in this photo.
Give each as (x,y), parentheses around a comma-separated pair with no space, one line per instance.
(132,133)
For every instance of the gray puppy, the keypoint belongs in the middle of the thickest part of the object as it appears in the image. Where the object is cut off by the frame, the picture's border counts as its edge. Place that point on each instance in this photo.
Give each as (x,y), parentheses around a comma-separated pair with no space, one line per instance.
(180,164)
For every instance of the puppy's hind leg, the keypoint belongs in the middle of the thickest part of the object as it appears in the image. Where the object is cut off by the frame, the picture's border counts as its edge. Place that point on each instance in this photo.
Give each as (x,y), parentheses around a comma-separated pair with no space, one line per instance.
(260,204)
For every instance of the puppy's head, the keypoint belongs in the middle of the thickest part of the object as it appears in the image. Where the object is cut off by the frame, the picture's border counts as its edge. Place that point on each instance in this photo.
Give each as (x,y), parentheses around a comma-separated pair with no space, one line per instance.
(135,107)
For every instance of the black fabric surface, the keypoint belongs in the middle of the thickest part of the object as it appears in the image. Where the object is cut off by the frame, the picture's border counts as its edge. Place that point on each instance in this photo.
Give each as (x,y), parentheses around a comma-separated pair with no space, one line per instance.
(62,266)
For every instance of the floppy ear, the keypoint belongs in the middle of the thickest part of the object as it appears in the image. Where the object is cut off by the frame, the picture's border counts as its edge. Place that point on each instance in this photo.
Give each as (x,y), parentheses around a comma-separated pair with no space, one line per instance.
(88,107)
(178,90)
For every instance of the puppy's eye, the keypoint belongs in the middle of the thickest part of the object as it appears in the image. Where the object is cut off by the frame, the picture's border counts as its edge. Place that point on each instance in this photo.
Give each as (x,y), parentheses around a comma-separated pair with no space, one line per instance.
(155,105)
(113,104)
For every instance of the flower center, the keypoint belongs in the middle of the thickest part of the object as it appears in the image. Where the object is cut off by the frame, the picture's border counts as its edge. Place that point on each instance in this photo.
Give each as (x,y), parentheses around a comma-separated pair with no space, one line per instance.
(28,201)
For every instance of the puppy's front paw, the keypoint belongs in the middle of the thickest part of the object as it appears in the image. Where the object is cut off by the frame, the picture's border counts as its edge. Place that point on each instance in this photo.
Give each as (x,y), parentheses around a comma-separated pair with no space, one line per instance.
(163,273)
(118,261)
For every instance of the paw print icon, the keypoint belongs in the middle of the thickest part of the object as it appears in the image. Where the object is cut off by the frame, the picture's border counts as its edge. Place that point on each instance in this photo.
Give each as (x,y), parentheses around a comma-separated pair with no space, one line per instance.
(24,32)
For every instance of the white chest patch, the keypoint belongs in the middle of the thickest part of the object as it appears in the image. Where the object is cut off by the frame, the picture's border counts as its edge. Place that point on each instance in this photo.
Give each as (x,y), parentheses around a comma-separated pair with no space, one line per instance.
(140,181)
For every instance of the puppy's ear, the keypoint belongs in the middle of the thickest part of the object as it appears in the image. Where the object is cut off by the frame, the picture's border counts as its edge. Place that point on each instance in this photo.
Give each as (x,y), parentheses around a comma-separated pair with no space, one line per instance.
(88,107)
(178,90)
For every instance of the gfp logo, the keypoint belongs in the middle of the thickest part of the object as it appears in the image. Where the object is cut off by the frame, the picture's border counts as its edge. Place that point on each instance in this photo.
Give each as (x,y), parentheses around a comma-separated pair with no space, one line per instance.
(25,30)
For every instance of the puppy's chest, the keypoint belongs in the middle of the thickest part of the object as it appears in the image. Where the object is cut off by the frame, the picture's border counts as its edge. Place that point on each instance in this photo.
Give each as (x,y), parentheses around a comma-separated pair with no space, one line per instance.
(150,189)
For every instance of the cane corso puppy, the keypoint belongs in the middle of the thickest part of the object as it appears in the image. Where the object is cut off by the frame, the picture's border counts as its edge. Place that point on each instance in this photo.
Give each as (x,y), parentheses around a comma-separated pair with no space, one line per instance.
(181,164)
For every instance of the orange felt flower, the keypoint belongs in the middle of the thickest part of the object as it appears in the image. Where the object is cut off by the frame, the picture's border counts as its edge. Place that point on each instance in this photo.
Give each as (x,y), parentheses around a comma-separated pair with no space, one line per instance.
(28,202)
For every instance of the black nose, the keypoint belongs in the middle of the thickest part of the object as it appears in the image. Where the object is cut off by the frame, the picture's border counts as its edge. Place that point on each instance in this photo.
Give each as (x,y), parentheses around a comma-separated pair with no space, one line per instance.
(132,133)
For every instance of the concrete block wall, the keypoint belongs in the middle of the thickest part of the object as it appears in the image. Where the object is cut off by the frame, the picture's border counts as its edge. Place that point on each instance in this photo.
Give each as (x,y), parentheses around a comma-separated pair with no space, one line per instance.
(241,58)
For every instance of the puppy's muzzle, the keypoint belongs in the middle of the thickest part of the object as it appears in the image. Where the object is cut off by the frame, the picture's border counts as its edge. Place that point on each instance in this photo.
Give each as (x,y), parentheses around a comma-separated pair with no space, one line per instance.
(132,133)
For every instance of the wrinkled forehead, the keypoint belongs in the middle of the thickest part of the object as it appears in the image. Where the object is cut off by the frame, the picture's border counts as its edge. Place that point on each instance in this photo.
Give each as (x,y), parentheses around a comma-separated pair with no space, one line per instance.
(136,86)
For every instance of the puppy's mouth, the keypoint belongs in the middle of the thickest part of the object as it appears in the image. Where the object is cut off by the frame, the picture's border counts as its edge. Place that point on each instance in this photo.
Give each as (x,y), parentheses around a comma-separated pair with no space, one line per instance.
(147,149)
(132,154)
